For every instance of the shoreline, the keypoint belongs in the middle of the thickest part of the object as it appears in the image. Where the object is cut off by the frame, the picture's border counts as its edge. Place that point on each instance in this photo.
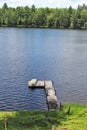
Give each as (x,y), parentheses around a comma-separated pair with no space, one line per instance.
(39,120)
(41,28)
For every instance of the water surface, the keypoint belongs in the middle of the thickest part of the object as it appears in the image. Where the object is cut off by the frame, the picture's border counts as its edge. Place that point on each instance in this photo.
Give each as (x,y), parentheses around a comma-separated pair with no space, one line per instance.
(46,54)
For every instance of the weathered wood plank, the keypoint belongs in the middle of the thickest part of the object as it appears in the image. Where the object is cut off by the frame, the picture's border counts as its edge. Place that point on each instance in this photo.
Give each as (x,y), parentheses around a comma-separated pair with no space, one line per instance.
(50,92)
(36,84)
(52,102)
(32,82)
(6,124)
(48,83)
(40,84)
(49,87)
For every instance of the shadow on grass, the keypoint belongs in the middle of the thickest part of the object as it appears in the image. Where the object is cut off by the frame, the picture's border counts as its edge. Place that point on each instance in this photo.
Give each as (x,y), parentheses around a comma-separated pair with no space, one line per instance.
(34,120)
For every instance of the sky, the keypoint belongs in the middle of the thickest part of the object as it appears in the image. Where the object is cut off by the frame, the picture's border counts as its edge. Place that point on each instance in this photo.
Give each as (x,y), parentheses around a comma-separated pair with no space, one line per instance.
(44,3)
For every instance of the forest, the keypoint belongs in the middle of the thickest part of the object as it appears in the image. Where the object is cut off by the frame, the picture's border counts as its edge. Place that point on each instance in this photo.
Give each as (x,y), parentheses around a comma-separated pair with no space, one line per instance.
(32,17)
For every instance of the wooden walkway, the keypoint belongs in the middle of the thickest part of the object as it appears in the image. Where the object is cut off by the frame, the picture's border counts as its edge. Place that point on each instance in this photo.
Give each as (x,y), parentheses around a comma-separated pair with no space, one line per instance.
(51,97)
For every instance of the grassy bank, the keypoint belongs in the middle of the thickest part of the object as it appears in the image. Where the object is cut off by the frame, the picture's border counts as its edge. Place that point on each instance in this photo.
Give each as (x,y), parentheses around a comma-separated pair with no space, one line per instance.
(40,120)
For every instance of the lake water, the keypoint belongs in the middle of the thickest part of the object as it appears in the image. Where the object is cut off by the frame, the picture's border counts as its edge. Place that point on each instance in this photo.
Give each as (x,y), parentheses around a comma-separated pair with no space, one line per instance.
(45,54)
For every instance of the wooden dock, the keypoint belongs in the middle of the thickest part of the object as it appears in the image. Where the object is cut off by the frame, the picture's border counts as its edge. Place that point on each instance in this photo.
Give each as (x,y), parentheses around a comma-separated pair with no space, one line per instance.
(51,97)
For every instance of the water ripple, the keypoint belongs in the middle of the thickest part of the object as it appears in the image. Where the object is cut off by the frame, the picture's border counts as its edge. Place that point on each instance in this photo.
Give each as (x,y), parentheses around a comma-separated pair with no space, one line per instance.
(58,55)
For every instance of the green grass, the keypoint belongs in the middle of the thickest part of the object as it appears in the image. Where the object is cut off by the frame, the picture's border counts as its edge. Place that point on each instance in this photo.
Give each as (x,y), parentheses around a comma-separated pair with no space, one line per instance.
(44,120)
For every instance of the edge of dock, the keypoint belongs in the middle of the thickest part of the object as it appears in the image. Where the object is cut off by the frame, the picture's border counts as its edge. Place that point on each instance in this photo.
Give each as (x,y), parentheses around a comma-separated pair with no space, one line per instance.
(52,100)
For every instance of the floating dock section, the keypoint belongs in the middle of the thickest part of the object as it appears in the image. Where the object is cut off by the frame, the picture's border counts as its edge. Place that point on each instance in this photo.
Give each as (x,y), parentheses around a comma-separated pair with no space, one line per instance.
(51,97)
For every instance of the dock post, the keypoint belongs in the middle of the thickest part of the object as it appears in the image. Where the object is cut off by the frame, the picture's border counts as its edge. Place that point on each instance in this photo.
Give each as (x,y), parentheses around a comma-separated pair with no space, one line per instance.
(6,124)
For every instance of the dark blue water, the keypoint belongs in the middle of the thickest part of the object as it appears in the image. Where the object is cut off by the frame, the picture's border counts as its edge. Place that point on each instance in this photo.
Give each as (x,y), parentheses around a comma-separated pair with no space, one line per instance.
(45,54)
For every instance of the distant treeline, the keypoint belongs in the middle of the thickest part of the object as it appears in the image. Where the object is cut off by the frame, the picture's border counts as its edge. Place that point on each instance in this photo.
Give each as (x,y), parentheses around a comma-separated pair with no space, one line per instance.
(44,17)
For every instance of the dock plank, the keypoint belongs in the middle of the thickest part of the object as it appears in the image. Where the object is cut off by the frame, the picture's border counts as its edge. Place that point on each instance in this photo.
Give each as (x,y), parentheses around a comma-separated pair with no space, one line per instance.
(50,92)
(52,102)
(32,82)
(51,97)
(48,83)
(40,84)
